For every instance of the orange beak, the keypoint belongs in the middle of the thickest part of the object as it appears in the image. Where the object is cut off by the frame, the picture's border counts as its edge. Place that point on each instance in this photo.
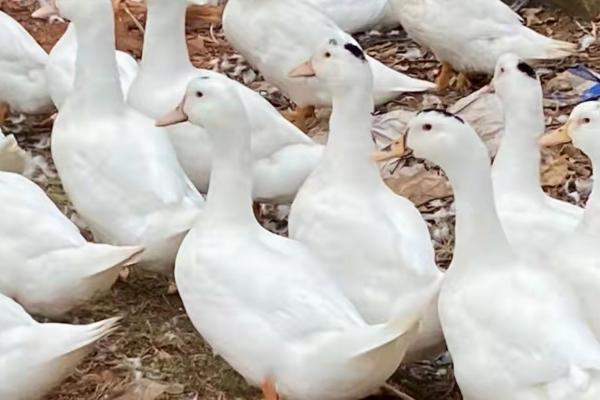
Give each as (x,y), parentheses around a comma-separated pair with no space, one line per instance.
(304,70)
(397,149)
(489,89)
(560,136)
(176,116)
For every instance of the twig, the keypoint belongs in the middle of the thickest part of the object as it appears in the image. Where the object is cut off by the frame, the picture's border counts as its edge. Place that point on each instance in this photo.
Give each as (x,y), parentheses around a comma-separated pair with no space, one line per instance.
(135,20)
(397,392)
(212,34)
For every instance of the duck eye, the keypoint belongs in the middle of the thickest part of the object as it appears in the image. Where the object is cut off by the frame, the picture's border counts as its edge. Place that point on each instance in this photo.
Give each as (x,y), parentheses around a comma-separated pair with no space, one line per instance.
(327,54)
(502,70)
(199,94)
(427,127)
(587,120)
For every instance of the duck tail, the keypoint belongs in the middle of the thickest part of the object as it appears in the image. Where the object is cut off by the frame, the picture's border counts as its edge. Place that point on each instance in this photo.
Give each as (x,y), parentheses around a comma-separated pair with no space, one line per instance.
(68,344)
(407,314)
(560,49)
(65,344)
(401,332)
(92,259)
(389,83)
(536,46)
(59,348)
(83,272)
(76,337)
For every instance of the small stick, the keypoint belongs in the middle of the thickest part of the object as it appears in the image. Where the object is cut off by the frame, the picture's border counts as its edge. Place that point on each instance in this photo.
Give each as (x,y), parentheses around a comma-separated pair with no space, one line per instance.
(134,19)
(397,392)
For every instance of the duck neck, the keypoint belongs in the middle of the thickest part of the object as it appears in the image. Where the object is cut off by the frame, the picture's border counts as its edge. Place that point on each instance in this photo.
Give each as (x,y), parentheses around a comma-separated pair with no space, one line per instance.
(165,48)
(350,143)
(229,199)
(96,76)
(480,239)
(517,164)
(590,223)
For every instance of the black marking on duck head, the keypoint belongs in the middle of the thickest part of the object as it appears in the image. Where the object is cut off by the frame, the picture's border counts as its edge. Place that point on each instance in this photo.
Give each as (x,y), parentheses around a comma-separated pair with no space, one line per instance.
(356,51)
(443,112)
(527,69)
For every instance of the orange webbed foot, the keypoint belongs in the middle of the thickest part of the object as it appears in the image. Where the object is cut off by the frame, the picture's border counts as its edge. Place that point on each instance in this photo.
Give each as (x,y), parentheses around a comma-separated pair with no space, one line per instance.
(269,391)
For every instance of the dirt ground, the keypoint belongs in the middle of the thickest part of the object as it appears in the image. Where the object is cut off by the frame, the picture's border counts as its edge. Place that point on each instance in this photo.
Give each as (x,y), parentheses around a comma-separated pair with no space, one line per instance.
(157,354)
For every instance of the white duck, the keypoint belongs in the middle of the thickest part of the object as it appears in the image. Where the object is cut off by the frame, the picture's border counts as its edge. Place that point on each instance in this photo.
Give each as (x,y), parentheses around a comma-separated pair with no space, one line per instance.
(48,267)
(577,256)
(277,35)
(514,330)
(283,155)
(122,175)
(60,69)
(358,15)
(34,357)
(302,338)
(532,220)
(374,242)
(23,85)
(12,157)
(469,37)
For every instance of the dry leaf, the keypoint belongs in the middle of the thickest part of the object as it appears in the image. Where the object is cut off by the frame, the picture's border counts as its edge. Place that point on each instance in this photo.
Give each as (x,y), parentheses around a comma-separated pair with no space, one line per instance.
(205,14)
(144,389)
(175,389)
(196,44)
(420,188)
(531,16)
(556,172)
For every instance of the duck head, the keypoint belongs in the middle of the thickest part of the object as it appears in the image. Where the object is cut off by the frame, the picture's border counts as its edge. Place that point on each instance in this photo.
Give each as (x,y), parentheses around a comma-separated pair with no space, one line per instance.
(516,83)
(339,64)
(438,136)
(582,128)
(206,101)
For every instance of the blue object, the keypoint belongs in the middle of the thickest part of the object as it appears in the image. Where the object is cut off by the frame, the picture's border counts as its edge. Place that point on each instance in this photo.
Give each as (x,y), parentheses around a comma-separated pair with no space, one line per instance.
(593,93)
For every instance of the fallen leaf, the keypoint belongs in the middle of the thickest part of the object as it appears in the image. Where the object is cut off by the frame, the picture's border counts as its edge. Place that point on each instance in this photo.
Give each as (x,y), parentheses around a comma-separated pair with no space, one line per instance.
(196,44)
(205,14)
(531,16)
(555,172)
(144,389)
(174,389)
(420,188)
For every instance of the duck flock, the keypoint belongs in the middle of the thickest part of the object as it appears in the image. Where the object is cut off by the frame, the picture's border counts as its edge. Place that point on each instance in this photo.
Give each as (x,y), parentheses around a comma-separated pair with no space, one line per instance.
(165,163)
